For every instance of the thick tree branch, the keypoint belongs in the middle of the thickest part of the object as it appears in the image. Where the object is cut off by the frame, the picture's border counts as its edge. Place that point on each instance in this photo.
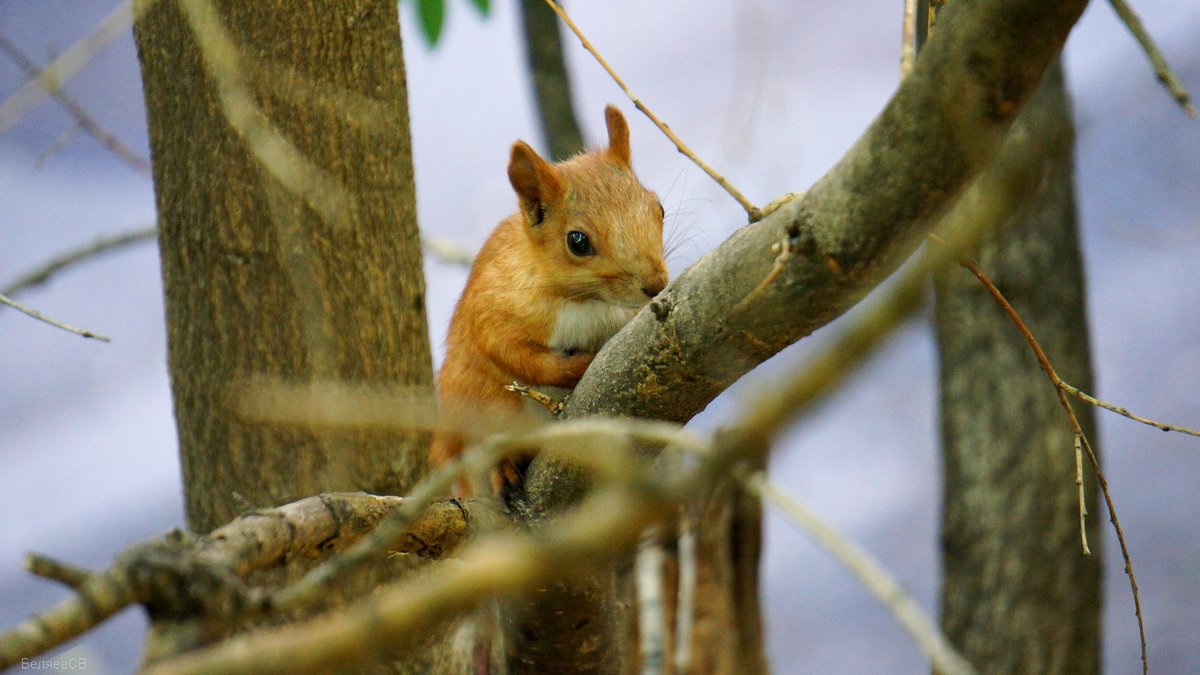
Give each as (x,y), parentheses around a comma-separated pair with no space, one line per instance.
(198,579)
(847,232)
(714,323)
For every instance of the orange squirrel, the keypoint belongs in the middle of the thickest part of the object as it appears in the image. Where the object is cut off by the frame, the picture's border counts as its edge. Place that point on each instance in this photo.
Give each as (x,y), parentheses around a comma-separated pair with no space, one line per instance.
(551,285)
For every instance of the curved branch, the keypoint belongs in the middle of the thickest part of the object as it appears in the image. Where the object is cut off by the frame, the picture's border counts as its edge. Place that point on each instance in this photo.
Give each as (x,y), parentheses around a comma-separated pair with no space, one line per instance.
(718,320)
(43,272)
(847,232)
(150,573)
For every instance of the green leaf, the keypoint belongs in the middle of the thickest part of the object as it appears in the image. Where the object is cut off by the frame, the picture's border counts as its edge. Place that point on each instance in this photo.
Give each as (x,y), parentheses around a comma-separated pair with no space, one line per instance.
(484,6)
(432,15)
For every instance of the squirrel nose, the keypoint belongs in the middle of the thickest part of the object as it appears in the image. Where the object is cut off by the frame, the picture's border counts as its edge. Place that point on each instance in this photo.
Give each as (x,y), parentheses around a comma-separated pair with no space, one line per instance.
(654,286)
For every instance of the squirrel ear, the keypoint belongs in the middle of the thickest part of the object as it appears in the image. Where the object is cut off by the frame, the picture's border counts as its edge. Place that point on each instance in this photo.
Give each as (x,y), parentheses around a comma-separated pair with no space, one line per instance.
(535,180)
(618,135)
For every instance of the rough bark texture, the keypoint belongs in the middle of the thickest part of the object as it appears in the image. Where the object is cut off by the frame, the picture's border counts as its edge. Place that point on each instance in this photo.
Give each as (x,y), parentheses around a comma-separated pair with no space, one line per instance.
(851,229)
(1018,595)
(551,83)
(257,283)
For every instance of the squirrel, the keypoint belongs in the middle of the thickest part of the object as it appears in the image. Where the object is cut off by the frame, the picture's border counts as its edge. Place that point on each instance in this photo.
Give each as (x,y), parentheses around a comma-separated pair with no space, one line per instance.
(551,285)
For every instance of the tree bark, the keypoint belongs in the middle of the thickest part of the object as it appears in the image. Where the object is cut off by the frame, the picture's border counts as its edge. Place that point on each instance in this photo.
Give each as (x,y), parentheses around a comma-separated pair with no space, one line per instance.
(260,279)
(551,82)
(1018,595)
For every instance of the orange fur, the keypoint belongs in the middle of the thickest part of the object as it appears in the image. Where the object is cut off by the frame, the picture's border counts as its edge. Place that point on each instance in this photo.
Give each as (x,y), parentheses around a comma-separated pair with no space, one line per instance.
(532,310)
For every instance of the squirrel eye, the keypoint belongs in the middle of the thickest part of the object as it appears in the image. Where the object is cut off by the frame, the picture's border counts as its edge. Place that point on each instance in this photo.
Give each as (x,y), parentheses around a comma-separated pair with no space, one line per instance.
(579,244)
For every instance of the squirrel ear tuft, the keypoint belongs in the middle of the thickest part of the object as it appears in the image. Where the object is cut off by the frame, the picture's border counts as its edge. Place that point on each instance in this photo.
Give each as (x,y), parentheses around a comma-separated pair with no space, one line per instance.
(618,135)
(535,180)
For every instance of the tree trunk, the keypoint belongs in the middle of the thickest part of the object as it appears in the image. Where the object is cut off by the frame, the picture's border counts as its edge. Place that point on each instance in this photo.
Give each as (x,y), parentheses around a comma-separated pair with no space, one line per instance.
(1018,595)
(551,82)
(287,227)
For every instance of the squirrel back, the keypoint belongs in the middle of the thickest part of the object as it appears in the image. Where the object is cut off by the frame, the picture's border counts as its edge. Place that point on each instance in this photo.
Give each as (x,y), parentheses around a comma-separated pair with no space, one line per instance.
(551,285)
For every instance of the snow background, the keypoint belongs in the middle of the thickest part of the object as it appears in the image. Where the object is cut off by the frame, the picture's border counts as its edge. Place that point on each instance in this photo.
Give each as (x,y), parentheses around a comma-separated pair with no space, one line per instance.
(771,93)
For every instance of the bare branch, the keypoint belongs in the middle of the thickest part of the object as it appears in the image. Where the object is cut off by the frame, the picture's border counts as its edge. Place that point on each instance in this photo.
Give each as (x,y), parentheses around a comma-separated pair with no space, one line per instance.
(852,228)
(1162,69)
(147,573)
(1088,398)
(1081,439)
(751,210)
(43,272)
(476,460)
(69,63)
(82,119)
(447,251)
(608,523)
(55,570)
(946,122)
(872,575)
(1083,512)
(29,311)
(97,598)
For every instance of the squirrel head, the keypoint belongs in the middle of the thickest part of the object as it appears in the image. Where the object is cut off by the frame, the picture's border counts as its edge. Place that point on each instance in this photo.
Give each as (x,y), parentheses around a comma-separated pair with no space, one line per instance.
(595,230)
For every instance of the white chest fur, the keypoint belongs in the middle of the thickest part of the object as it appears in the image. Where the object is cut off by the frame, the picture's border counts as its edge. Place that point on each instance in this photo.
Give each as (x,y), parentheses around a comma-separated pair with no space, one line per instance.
(587,325)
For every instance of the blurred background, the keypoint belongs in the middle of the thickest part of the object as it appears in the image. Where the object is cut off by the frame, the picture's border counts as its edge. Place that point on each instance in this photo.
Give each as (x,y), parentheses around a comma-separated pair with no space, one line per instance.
(769,92)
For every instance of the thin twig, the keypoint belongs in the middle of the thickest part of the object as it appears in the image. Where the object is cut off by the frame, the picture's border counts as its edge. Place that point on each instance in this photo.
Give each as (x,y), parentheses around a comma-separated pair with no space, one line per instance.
(1055,380)
(443,250)
(548,402)
(56,570)
(1083,512)
(82,119)
(97,598)
(1060,383)
(783,250)
(871,574)
(1162,69)
(55,147)
(751,210)
(447,251)
(69,63)
(1088,398)
(57,324)
(56,264)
